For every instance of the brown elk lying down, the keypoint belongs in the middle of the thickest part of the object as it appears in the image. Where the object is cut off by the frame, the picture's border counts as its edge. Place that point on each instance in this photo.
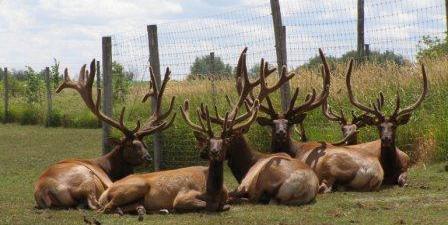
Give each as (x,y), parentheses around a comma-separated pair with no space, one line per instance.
(394,162)
(75,182)
(333,165)
(186,189)
(264,178)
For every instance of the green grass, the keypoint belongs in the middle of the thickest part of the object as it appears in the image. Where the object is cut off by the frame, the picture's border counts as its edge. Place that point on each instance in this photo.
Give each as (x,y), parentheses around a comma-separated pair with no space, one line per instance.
(27,150)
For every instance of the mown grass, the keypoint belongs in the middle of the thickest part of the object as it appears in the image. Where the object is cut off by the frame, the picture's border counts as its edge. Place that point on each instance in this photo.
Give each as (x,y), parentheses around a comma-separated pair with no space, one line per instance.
(27,150)
(424,138)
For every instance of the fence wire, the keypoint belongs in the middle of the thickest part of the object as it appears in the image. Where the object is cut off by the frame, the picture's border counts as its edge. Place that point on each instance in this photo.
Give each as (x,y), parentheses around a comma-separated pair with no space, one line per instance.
(396,25)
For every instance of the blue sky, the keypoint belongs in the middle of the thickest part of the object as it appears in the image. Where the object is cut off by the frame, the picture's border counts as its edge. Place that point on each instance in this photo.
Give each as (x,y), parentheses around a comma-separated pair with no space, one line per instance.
(33,32)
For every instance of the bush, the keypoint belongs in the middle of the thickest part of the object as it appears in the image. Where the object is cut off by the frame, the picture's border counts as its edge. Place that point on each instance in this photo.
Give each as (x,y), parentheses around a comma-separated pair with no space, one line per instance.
(30,116)
(54,118)
(432,47)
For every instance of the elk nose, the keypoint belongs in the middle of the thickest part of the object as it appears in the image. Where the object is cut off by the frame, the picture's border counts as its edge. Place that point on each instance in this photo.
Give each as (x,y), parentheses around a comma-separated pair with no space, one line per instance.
(281,133)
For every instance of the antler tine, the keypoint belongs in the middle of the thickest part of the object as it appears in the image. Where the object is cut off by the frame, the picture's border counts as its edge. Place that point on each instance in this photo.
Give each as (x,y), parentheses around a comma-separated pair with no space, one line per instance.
(250,120)
(186,115)
(352,97)
(161,126)
(209,124)
(345,139)
(422,96)
(84,87)
(330,115)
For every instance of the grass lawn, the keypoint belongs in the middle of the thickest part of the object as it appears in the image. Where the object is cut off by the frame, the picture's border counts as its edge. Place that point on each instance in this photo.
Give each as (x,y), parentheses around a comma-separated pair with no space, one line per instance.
(27,150)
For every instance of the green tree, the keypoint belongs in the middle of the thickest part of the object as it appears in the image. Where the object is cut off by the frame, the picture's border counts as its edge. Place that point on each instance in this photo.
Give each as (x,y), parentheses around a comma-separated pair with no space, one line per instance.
(55,76)
(432,47)
(121,82)
(33,84)
(203,66)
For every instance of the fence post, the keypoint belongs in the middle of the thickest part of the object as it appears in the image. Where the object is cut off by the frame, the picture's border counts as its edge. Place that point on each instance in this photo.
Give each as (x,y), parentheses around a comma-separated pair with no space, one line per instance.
(367,50)
(98,82)
(446,15)
(107,89)
(49,97)
(360,28)
(280,47)
(6,87)
(154,62)
(212,77)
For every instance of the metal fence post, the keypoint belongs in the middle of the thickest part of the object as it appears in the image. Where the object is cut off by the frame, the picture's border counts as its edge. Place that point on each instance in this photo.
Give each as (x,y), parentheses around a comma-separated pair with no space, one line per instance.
(6,87)
(98,82)
(280,47)
(154,62)
(107,89)
(212,77)
(49,97)
(360,28)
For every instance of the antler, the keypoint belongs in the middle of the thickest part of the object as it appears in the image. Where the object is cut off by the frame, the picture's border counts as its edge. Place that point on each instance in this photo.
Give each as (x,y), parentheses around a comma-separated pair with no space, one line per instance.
(380,101)
(311,101)
(409,109)
(332,116)
(84,87)
(207,131)
(157,120)
(376,107)
(243,80)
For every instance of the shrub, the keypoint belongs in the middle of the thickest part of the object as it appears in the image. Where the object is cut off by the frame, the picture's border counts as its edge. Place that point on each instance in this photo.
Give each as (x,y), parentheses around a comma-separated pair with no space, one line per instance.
(30,116)
(54,118)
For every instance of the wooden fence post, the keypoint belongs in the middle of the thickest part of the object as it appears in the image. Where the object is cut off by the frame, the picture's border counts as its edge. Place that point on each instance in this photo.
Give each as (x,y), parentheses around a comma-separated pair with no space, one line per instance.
(212,77)
(98,82)
(107,89)
(360,28)
(49,97)
(280,47)
(6,89)
(154,62)
(446,15)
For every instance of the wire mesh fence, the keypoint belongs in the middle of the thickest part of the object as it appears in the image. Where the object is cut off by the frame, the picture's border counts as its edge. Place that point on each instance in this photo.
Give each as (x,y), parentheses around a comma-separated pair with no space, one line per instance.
(395,26)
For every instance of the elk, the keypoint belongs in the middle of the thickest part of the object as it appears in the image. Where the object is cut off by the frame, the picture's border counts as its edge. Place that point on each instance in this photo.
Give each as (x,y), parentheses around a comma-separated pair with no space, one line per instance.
(75,182)
(394,162)
(334,165)
(186,189)
(263,178)
(349,128)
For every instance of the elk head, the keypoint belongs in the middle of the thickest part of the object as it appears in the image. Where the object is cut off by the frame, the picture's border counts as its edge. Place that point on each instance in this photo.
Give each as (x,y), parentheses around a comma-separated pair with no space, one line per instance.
(349,128)
(215,147)
(282,122)
(387,125)
(131,145)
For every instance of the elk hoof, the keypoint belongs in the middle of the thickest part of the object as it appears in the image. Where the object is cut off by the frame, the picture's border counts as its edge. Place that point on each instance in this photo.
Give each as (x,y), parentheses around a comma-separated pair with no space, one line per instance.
(141,212)
(119,211)
(323,188)
(226,207)
(164,211)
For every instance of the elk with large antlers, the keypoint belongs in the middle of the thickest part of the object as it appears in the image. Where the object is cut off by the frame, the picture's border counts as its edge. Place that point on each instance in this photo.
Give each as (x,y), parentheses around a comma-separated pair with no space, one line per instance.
(351,168)
(73,182)
(275,178)
(394,162)
(186,189)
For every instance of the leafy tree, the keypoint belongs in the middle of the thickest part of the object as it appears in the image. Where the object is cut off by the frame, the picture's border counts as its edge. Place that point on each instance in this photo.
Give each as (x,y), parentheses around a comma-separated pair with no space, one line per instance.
(203,66)
(376,56)
(121,82)
(432,47)
(33,84)
(55,76)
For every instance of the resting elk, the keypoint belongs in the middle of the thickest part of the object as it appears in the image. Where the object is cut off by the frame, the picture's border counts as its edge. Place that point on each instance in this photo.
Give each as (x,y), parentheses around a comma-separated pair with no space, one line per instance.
(334,165)
(263,178)
(186,189)
(75,182)
(394,162)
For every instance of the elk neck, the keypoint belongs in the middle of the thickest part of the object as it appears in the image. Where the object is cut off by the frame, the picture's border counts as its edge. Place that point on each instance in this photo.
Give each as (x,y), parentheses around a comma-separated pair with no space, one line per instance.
(215,178)
(390,162)
(114,164)
(286,146)
(241,157)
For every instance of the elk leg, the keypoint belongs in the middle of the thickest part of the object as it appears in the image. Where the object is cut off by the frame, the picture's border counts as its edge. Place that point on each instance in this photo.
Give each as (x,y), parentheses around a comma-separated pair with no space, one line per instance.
(238,197)
(188,201)
(87,191)
(132,208)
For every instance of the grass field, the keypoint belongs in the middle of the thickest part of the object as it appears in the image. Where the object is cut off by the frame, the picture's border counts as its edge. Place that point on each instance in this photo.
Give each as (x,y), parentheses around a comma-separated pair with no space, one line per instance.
(27,150)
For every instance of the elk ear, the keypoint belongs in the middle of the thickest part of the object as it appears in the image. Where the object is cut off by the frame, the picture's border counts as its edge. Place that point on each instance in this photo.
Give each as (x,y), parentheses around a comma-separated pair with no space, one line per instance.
(368,120)
(263,121)
(201,138)
(297,118)
(404,119)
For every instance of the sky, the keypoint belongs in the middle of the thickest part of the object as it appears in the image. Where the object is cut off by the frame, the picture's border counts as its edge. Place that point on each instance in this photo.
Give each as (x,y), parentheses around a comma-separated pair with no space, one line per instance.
(33,32)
